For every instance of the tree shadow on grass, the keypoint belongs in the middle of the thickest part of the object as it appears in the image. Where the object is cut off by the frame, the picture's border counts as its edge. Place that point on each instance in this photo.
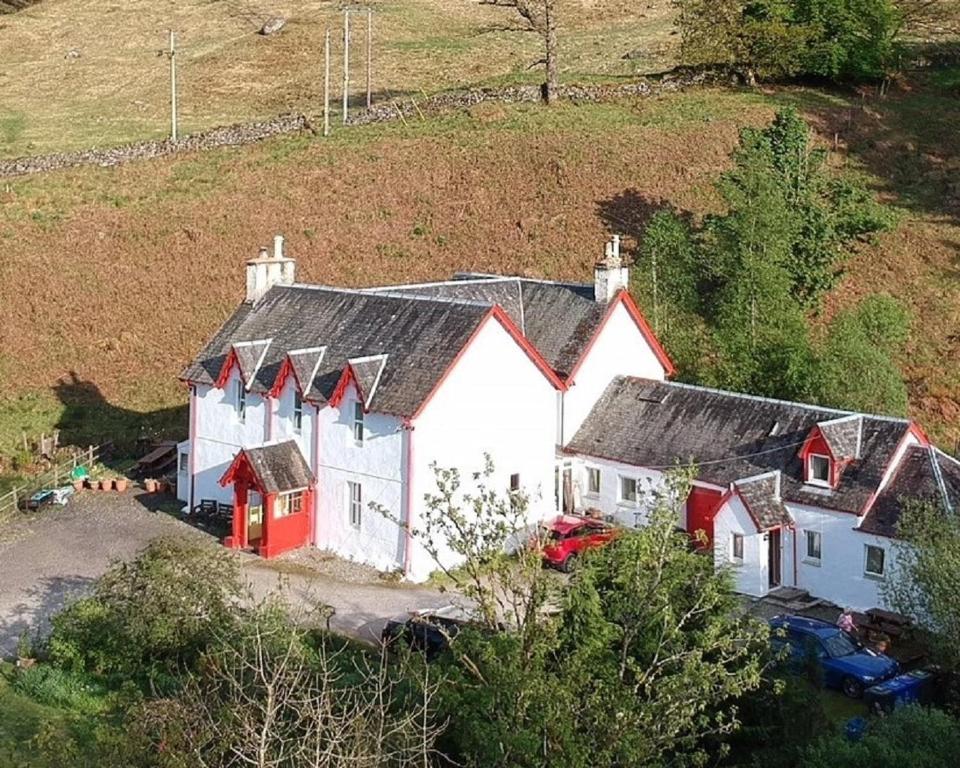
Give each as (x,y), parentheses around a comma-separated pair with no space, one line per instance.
(88,418)
(629,212)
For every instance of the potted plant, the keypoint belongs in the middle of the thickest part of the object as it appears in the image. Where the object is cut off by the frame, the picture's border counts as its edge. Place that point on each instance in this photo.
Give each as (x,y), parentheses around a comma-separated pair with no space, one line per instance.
(150,485)
(106,483)
(120,484)
(79,483)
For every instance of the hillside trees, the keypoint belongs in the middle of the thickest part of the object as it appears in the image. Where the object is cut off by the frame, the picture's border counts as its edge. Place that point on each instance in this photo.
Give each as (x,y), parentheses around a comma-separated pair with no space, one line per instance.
(843,40)
(540,16)
(733,296)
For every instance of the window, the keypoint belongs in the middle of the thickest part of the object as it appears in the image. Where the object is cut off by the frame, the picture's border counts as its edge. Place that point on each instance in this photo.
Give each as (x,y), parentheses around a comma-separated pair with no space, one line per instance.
(628,489)
(874,560)
(354,503)
(593,481)
(240,400)
(818,469)
(736,547)
(288,504)
(515,482)
(183,462)
(358,422)
(813,545)
(297,411)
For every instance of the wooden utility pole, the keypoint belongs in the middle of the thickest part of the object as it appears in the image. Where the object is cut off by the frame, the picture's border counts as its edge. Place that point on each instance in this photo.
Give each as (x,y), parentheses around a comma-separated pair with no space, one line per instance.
(346,63)
(173,86)
(326,84)
(369,57)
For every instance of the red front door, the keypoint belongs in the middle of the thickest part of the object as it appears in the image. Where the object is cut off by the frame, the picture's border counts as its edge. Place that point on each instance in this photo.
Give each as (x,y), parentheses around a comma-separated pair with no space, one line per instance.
(702,506)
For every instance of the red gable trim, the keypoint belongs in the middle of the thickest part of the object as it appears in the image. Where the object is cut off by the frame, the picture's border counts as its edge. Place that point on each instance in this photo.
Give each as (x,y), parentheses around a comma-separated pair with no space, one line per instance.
(624,298)
(495,313)
(228,364)
(913,429)
(341,389)
(286,370)
(240,468)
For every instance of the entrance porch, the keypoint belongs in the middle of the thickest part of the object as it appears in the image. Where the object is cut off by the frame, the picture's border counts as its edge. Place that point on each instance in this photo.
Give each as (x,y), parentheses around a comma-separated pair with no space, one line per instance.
(273,497)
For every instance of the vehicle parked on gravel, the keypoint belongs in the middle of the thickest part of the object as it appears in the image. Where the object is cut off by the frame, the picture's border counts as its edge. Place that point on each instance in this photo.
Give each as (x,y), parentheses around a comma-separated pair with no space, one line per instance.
(842,661)
(428,632)
(567,537)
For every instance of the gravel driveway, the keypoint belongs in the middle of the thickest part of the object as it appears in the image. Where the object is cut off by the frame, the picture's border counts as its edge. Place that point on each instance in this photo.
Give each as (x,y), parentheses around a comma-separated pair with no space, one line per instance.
(48,558)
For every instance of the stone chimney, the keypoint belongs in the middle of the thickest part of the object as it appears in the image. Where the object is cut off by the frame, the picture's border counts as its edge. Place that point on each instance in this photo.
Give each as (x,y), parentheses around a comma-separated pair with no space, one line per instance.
(610,273)
(268,270)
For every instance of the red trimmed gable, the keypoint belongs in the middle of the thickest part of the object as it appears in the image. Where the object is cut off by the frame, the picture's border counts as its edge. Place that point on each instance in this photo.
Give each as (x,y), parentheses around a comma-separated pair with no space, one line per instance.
(241,471)
(285,372)
(224,376)
(816,445)
(623,297)
(340,390)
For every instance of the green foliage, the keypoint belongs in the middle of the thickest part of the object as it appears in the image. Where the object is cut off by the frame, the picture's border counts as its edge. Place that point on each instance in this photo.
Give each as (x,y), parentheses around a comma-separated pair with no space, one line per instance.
(56,687)
(843,40)
(645,657)
(857,368)
(912,736)
(149,618)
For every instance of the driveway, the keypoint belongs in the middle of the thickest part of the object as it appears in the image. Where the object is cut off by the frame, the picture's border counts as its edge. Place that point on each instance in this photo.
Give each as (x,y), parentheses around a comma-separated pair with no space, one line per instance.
(48,558)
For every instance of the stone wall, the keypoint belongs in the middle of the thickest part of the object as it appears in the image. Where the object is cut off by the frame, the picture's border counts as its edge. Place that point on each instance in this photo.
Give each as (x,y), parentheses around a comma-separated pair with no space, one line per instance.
(397,109)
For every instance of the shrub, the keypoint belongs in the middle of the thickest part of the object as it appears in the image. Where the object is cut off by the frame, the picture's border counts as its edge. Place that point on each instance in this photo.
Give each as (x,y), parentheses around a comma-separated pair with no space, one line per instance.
(59,688)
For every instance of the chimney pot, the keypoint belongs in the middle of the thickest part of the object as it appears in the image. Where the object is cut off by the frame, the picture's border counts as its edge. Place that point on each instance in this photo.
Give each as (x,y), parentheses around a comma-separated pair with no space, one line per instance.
(278,246)
(610,274)
(265,272)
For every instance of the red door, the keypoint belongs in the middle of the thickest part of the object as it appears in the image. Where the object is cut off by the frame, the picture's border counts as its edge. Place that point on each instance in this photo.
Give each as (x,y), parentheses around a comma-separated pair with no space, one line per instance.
(702,504)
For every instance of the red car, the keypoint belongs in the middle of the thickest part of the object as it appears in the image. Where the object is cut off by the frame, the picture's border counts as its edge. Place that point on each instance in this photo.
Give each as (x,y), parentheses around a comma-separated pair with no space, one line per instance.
(566,537)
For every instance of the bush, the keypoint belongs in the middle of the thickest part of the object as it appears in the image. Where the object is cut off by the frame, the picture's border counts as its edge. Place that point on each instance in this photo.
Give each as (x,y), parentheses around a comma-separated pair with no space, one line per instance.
(149,618)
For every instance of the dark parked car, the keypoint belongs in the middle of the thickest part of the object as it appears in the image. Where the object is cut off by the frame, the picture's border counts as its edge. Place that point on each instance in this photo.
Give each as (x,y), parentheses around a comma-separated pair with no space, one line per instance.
(428,632)
(843,662)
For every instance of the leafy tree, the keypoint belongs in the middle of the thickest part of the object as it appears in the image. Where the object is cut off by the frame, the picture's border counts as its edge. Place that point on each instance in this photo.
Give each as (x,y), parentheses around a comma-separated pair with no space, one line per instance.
(857,366)
(149,618)
(912,736)
(633,663)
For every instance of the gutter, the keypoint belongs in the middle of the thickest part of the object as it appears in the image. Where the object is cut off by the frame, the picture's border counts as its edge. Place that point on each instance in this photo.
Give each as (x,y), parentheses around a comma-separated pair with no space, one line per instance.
(408,533)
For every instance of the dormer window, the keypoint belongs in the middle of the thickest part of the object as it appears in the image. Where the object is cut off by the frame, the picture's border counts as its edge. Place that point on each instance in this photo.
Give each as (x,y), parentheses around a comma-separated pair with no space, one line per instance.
(240,400)
(818,470)
(358,423)
(297,411)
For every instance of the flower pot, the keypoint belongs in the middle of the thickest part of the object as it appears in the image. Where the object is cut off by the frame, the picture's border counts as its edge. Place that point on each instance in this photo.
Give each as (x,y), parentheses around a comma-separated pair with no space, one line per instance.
(120,484)
(106,484)
(150,485)
(78,485)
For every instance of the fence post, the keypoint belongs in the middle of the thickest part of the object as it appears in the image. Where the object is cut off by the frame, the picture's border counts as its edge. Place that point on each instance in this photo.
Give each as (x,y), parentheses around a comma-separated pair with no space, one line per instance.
(90,453)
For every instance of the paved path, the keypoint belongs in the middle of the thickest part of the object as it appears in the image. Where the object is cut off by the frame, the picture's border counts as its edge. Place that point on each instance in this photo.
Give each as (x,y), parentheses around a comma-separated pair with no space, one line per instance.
(46,559)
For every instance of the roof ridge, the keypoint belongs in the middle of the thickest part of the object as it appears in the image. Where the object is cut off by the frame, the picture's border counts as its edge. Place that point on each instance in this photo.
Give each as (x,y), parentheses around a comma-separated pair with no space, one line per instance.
(369,292)
(938,476)
(772,400)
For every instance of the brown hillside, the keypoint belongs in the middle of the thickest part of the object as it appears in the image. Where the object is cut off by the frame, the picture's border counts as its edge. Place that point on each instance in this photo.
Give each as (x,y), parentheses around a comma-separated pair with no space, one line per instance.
(119,275)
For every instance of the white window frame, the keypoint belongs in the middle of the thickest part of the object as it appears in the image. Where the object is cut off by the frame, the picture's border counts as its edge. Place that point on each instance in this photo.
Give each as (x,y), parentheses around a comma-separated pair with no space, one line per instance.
(354,504)
(297,411)
(240,400)
(818,537)
(734,539)
(621,498)
(286,503)
(866,562)
(813,479)
(183,462)
(358,417)
(593,472)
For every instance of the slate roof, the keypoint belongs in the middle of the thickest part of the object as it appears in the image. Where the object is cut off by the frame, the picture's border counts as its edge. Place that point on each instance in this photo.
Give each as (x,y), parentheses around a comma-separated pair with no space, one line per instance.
(559,319)
(923,473)
(843,435)
(280,467)
(421,338)
(761,496)
(730,437)
(368,371)
(306,363)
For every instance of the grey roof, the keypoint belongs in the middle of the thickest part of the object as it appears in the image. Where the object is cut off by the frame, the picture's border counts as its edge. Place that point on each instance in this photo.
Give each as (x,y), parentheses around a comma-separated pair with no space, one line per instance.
(420,336)
(280,467)
(559,319)
(368,371)
(843,435)
(761,496)
(250,356)
(729,437)
(306,363)
(924,473)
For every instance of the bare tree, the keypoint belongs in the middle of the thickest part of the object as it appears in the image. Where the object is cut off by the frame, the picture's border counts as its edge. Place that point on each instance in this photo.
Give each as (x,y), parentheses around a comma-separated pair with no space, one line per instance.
(540,17)
(266,698)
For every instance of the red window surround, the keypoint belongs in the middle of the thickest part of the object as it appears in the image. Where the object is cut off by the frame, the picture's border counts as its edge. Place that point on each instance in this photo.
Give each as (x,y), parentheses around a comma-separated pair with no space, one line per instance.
(816,445)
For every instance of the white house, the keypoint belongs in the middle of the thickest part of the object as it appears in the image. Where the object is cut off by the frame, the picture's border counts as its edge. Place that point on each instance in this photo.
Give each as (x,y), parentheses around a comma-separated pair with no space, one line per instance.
(786,494)
(313,402)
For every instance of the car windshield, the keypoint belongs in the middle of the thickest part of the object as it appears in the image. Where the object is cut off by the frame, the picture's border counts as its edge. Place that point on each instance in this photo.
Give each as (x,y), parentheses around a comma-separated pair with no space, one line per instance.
(839,645)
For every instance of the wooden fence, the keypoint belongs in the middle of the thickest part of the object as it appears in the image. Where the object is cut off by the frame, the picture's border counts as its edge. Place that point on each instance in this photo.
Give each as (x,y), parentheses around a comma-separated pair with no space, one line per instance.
(56,476)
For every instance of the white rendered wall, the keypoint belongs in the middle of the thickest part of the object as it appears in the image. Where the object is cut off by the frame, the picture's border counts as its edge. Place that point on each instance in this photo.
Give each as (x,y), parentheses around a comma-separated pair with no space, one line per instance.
(631,514)
(750,575)
(620,350)
(495,401)
(377,464)
(839,577)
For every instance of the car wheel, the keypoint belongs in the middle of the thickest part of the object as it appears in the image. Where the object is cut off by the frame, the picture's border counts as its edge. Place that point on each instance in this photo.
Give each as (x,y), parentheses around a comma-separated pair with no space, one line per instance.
(852,688)
(569,563)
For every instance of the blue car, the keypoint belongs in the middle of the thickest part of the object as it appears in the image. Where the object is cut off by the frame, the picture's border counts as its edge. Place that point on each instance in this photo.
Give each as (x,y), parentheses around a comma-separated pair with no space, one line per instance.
(843,662)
